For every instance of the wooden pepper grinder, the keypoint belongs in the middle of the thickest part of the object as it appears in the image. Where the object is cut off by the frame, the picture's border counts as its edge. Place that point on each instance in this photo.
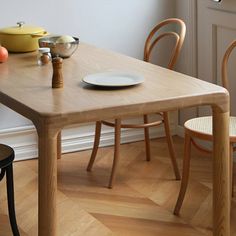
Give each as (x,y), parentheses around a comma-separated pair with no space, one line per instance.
(57,77)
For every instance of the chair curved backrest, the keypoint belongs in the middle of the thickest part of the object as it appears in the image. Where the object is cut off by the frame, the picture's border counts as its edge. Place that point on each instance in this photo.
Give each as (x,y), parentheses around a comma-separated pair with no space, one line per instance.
(200,128)
(179,39)
(224,73)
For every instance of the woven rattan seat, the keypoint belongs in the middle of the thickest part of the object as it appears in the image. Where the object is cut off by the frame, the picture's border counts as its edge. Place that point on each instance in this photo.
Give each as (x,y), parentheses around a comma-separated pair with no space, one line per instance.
(203,125)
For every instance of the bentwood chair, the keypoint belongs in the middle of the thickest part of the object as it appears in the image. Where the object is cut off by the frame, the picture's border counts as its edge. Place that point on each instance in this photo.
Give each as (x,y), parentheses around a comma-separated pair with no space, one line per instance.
(153,38)
(7,156)
(201,129)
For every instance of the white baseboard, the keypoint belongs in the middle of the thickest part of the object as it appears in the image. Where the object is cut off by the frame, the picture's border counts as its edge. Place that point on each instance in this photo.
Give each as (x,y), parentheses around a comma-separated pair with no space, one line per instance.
(24,139)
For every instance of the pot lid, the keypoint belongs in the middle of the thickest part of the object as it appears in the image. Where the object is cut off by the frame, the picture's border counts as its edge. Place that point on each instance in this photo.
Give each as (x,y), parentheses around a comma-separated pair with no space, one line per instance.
(21,28)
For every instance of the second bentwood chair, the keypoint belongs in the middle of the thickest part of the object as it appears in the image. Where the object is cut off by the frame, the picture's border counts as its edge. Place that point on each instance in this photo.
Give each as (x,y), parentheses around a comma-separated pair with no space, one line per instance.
(201,129)
(151,42)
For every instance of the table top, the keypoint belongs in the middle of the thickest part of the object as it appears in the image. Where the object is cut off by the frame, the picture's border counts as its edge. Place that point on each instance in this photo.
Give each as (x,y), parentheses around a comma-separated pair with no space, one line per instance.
(26,88)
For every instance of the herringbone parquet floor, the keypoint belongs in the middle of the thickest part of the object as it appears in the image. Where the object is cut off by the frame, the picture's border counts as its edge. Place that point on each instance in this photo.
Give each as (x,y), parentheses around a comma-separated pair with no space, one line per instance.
(141,202)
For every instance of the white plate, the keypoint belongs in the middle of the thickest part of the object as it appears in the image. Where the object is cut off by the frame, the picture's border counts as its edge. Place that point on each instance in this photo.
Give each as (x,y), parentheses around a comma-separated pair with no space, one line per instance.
(113,79)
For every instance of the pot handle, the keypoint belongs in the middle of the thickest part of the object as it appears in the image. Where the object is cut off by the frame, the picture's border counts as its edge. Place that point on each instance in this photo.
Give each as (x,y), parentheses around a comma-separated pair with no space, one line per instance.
(20,23)
(38,35)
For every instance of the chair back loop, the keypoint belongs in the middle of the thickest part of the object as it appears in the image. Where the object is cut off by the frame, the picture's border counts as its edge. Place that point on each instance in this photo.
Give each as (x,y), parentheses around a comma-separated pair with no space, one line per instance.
(179,39)
(224,73)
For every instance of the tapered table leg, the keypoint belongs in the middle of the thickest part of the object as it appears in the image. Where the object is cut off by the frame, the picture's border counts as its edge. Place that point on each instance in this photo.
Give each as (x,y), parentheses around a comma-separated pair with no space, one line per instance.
(116,152)
(47,182)
(221,174)
(59,145)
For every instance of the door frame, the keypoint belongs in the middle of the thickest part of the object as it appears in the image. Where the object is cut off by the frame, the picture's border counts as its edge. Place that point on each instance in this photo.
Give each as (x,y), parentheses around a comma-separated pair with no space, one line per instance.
(192,38)
(187,10)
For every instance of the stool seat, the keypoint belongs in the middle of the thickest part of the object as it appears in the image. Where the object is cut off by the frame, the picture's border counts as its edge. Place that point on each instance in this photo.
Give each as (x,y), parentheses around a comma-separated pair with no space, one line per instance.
(6,155)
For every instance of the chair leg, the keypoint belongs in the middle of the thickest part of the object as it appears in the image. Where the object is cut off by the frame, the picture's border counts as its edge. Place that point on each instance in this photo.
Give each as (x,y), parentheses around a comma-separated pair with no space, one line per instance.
(232,168)
(185,175)
(95,145)
(147,139)
(171,146)
(10,200)
(116,152)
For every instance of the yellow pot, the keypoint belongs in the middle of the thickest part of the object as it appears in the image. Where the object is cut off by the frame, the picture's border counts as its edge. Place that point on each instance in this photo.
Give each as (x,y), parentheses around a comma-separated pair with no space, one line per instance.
(21,38)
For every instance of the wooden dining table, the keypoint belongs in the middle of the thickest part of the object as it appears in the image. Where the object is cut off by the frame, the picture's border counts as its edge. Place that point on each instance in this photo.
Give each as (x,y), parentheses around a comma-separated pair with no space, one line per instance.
(26,88)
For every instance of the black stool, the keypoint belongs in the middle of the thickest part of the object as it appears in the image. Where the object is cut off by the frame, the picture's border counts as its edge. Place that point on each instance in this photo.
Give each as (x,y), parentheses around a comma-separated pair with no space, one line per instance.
(7,156)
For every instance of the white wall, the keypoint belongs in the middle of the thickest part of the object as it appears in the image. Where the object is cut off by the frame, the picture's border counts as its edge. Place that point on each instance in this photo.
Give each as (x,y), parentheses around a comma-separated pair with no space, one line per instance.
(117,25)
(186,10)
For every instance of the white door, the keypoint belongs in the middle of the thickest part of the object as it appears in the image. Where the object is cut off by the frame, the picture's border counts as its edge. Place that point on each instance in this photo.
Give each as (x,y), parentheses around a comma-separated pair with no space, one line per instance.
(216,26)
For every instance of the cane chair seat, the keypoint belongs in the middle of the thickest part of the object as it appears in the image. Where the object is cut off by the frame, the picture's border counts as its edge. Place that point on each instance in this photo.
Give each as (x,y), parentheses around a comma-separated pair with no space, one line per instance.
(202,126)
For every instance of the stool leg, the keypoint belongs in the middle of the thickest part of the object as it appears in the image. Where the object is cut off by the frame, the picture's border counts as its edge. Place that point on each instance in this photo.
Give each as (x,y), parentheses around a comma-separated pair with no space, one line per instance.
(10,200)
(2,173)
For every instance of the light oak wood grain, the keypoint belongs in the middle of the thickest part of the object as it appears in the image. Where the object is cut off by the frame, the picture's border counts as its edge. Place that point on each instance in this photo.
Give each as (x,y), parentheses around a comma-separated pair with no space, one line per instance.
(26,89)
(162,89)
(221,173)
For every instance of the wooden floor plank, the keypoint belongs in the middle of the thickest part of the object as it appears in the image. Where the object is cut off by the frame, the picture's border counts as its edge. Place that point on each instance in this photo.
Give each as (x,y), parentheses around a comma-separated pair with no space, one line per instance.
(141,202)
(138,227)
